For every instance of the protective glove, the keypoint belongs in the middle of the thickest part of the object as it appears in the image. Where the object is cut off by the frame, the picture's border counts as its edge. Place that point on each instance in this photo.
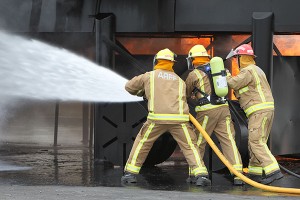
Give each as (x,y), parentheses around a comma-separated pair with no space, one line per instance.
(140,93)
(228,72)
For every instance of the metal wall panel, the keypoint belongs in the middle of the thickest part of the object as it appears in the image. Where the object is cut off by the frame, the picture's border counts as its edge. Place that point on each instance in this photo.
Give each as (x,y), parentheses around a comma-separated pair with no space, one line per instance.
(47,15)
(141,15)
(285,135)
(287,15)
(144,16)
(234,15)
(216,15)
(15,15)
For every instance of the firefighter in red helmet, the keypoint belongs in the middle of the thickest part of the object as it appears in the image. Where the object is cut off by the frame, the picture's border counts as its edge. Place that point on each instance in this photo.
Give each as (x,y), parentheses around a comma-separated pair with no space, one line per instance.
(255,97)
(214,117)
(168,112)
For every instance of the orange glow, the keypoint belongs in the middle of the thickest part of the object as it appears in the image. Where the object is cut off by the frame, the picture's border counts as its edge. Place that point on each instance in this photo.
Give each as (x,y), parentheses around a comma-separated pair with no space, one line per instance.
(188,43)
(238,39)
(234,67)
(234,71)
(150,46)
(288,45)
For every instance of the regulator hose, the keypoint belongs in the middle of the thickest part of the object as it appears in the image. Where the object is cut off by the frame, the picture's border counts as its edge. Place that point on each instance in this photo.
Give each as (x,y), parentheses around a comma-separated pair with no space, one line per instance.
(246,124)
(234,171)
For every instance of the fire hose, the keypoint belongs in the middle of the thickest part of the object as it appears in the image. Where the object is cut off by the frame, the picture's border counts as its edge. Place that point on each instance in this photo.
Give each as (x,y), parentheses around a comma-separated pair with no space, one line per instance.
(233,170)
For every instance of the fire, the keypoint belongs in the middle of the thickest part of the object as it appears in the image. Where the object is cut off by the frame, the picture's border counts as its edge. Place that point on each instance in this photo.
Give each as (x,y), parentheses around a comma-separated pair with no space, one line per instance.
(234,71)
(150,46)
(288,45)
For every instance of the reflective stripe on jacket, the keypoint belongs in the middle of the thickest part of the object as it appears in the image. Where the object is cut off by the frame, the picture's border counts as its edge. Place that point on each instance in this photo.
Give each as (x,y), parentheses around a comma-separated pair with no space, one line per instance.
(252,89)
(166,94)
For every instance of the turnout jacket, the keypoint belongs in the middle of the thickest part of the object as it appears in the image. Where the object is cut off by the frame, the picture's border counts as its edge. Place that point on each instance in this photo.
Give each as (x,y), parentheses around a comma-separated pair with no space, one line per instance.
(252,89)
(198,78)
(166,95)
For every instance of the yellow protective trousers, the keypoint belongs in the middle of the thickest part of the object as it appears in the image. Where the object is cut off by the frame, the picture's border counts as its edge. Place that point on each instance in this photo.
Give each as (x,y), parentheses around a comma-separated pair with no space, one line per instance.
(261,158)
(218,120)
(181,132)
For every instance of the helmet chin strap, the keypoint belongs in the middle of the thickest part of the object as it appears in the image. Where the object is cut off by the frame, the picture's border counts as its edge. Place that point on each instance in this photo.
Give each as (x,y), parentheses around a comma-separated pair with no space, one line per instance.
(239,62)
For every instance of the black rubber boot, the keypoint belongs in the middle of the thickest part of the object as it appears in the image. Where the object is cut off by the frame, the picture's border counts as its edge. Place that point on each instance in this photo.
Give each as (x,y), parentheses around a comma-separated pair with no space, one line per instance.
(237,181)
(128,178)
(256,178)
(191,179)
(203,181)
(272,177)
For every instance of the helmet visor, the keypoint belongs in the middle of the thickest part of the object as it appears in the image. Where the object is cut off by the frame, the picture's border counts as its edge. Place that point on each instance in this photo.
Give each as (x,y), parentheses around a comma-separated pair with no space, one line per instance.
(175,56)
(189,63)
(231,54)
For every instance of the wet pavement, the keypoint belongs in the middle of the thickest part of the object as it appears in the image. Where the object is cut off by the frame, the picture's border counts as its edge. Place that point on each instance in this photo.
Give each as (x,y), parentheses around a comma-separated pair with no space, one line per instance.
(22,165)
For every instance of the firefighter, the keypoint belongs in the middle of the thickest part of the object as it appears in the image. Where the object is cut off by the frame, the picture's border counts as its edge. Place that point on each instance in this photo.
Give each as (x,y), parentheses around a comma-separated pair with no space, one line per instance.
(168,112)
(255,97)
(212,114)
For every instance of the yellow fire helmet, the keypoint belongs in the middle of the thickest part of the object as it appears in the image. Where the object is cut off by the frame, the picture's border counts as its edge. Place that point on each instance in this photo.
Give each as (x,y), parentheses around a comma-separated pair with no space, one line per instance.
(196,51)
(165,54)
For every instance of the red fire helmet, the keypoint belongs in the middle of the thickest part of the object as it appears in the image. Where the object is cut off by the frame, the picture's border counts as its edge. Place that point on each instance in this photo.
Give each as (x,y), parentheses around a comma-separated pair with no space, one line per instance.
(244,49)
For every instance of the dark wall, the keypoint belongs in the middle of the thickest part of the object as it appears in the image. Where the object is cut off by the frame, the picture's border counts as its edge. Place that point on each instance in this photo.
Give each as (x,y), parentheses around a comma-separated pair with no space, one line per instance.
(15,15)
(46,15)
(285,132)
(234,15)
(216,15)
(141,15)
(200,15)
(144,16)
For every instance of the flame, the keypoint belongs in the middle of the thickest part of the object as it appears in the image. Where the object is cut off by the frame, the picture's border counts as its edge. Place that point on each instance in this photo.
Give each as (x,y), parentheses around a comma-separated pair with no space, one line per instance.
(288,45)
(238,39)
(150,46)
(234,71)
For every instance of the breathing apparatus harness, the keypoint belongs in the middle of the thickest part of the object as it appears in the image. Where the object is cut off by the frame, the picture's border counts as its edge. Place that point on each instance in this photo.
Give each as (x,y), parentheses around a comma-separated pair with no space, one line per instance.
(213,99)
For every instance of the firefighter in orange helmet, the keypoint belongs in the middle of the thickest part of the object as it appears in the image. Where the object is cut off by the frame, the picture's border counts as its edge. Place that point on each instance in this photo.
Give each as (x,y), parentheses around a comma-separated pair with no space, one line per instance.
(168,112)
(214,117)
(255,97)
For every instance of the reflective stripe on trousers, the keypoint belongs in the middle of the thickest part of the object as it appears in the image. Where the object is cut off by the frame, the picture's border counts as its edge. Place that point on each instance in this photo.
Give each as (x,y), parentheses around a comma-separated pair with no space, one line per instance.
(258,107)
(131,166)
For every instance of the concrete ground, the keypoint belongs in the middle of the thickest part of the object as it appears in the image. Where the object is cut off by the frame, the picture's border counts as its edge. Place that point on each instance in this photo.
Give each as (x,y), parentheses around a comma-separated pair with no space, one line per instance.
(9,192)
(28,172)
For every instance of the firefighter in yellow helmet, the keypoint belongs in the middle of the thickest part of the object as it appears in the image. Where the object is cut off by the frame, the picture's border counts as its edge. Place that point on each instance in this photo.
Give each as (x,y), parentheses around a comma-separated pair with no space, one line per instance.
(214,116)
(168,112)
(255,97)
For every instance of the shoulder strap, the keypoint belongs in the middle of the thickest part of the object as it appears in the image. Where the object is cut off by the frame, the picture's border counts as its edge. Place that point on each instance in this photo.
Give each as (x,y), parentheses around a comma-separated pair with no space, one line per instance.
(205,68)
(195,90)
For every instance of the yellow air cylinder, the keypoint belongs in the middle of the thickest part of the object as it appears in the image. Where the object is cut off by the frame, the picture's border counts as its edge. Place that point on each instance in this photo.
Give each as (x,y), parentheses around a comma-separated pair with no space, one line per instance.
(219,78)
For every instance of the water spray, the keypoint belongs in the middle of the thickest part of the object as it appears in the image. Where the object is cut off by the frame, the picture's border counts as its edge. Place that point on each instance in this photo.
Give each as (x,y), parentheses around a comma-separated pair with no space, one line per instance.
(31,69)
